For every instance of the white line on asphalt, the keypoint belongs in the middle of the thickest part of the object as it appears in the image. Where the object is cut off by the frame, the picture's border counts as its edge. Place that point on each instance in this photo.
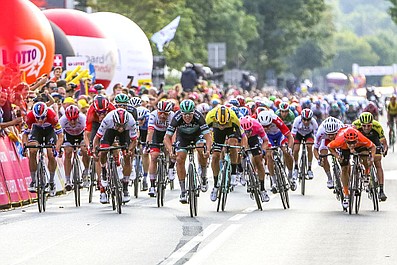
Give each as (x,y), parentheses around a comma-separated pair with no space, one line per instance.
(177,255)
(237,217)
(249,210)
(201,255)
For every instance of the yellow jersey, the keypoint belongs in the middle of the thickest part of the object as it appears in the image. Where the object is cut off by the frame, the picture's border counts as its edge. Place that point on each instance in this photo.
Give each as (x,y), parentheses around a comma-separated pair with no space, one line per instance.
(233,121)
(392,109)
(375,126)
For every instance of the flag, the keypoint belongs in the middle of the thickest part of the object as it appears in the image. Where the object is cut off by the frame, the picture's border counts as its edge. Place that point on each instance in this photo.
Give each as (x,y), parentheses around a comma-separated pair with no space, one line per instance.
(166,34)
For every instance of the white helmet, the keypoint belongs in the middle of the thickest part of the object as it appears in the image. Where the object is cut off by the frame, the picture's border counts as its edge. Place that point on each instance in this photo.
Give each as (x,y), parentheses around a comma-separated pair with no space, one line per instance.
(203,108)
(135,101)
(332,125)
(141,112)
(265,117)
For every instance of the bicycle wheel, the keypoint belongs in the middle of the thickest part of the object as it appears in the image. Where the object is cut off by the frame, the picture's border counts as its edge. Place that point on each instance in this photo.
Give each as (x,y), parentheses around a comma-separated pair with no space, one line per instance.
(282,185)
(303,174)
(254,183)
(192,192)
(92,175)
(374,190)
(40,188)
(137,179)
(338,185)
(222,187)
(76,182)
(117,188)
(160,182)
(352,189)
(359,188)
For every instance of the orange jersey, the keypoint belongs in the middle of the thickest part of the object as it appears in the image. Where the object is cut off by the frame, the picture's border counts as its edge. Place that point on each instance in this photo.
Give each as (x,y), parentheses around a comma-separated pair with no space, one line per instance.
(339,141)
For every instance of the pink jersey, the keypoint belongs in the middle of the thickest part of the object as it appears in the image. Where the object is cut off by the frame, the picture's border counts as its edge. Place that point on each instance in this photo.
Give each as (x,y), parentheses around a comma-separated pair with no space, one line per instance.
(257,130)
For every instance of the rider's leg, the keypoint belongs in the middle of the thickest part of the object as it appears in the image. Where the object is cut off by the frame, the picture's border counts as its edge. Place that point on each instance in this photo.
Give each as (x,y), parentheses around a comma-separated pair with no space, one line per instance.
(153,167)
(68,162)
(180,169)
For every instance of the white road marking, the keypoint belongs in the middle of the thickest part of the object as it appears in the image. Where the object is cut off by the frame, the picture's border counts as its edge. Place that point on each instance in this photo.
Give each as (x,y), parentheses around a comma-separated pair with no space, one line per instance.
(237,217)
(177,255)
(201,255)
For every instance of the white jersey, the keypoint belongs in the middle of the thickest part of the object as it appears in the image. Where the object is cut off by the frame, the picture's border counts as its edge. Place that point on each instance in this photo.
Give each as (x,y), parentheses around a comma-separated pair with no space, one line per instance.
(320,135)
(158,125)
(299,127)
(73,130)
(108,123)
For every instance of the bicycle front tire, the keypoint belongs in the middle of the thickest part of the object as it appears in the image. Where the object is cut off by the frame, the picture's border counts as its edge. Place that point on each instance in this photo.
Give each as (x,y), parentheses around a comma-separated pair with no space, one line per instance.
(92,180)
(192,192)
(254,183)
(160,183)
(303,172)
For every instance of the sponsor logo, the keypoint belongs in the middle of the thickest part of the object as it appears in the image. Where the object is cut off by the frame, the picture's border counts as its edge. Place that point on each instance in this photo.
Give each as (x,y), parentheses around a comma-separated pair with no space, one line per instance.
(29,55)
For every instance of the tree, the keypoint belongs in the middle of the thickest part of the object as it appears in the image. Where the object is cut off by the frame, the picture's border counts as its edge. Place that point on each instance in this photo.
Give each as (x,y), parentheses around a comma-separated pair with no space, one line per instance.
(282,25)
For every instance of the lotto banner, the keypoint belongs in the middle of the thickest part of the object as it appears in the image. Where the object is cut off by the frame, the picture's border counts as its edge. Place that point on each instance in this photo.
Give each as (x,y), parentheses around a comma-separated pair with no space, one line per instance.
(6,158)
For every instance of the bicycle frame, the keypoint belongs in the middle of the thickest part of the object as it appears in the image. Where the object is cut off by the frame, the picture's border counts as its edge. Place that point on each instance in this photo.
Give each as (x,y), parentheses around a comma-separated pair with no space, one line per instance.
(355,182)
(253,186)
(303,167)
(282,182)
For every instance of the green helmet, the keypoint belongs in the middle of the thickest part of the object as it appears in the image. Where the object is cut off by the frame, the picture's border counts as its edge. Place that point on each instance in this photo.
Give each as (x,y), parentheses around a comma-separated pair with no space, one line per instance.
(272,98)
(121,98)
(187,106)
(366,118)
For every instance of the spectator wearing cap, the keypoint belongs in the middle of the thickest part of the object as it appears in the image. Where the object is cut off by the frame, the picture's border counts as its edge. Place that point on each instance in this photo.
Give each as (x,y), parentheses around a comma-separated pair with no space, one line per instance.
(66,103)
(92,92)
(83,105)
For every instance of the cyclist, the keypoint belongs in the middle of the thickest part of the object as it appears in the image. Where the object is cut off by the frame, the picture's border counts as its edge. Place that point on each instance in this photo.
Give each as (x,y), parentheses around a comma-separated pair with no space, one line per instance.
(326,132)
(373,109)
(226,128)
(143,120)
(278,135)
(73,124)
(350,140)
(304,128)
(189,126)
(203,108)
(117,123)
(285,114)
(159,120)
(42,127)
(372,129)
(391,114)
(256,137)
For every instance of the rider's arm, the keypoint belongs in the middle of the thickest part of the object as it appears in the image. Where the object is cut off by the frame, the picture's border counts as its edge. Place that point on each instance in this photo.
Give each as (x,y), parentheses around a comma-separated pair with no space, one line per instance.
(290,140)
(168,142)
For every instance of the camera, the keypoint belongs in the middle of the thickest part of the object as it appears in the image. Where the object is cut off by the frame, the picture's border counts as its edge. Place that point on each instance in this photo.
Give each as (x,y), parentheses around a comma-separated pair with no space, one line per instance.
(130,77)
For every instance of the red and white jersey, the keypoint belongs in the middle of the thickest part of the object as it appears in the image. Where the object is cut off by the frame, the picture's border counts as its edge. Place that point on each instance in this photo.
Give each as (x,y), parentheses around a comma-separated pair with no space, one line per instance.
(302,129)
(92,116)
(50,121)
(276,126)
(108,123)
(156,124)
(73,130)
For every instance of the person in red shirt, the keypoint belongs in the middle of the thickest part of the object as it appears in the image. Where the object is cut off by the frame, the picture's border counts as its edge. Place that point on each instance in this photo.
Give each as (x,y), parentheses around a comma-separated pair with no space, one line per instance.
(42,126)
(350,140)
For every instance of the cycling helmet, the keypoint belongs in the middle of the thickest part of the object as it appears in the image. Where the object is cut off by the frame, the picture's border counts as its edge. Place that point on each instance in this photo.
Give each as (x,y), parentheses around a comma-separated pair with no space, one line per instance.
(244,111)
(246,123)
(272,98)
(265,117)
(350,134)
(203,108)
(236,111)
(72,112)
(141,112)
(187,106)
(331,125)
(135,101)
(260,109)
(307,114)
(234,102)
(40,110)
(121,99)
(120,117)
(284,106)
(241,100)
(277,102)
(215,102)
(222,115)
(165,106)
(100,103)
(98,87)
(366,118)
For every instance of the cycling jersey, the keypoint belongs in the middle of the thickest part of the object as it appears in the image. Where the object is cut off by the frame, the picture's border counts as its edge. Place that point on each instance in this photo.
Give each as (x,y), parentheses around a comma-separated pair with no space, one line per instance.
(392,108)
(51,121)
(302,129)
(92,116)
(73,130)
(339,141)
(287,120)
(233,122)
(108,123)
(156,124)
(277,126)
(257,130)
(376,131)
(321,136)
(195,127)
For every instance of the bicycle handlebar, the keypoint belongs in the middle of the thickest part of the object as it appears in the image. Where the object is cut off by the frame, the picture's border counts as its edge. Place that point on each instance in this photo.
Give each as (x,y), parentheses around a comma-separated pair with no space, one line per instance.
(42,146)
(228,146)
(111,148)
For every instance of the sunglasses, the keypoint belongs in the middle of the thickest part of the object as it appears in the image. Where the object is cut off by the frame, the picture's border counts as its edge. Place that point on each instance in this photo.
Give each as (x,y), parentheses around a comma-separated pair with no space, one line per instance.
(42,118)
(306,119)
(351,142)
(163,113)
(366,125)
(248,131)
(187,113)
(331,134)
(100,112)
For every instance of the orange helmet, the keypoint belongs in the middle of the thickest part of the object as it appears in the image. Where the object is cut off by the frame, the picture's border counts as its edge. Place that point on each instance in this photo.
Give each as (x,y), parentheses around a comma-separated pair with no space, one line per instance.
(350,134)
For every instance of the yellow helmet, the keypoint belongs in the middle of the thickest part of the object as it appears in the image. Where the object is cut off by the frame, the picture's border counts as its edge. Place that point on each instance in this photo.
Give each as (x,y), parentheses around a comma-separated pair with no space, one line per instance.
(222,115)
